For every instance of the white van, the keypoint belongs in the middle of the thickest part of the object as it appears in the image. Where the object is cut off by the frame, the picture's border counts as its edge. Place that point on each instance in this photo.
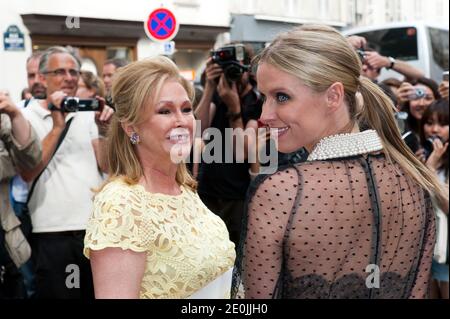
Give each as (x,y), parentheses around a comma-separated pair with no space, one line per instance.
(423,45)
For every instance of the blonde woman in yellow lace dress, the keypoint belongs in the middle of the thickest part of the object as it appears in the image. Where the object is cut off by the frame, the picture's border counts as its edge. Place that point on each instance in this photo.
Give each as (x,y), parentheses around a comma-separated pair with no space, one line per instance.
(150,236)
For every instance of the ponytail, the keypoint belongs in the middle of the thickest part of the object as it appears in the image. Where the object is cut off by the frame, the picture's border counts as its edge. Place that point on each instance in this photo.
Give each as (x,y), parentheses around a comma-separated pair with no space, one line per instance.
(377,113)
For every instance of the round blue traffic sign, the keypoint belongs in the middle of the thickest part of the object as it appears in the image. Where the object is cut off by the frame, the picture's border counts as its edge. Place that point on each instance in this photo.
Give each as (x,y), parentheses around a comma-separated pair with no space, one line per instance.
(161,25)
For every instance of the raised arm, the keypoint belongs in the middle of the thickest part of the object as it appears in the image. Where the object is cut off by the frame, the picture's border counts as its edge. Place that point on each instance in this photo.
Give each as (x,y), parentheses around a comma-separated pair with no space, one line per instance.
(377,61)
(204,108)
(22,145)
(50,142)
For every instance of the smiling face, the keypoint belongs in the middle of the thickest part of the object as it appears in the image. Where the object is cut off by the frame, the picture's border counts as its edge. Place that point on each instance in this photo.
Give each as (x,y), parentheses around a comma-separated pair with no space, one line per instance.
(297,115)
(167,132)
(418,107)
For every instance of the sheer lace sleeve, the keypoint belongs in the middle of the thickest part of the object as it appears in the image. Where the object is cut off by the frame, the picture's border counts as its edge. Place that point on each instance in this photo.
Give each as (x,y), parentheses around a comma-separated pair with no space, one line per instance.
(267,216)
(421,282)
(116,221)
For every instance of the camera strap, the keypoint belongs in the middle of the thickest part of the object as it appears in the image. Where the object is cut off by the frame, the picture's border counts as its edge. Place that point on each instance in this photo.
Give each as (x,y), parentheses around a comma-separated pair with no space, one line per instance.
(60,140)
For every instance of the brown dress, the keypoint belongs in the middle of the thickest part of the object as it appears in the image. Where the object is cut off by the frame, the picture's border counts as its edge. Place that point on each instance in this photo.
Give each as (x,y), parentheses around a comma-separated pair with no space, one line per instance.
(351,225)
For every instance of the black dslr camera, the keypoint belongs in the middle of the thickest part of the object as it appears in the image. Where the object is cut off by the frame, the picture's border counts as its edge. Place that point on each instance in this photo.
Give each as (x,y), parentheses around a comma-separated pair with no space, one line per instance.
(74,104)
(232,60)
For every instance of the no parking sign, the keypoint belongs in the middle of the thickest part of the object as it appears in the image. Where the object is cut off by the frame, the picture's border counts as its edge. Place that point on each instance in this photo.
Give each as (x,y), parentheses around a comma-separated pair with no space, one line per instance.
(161,25)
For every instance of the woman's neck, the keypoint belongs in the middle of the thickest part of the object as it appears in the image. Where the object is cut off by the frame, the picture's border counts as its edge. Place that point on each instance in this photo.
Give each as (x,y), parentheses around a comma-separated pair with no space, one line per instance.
(350,127)
(159,176)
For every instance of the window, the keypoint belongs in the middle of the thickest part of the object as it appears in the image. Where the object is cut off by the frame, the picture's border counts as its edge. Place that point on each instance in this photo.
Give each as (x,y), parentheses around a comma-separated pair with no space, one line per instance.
(119,53)
(400,43)
(439,46)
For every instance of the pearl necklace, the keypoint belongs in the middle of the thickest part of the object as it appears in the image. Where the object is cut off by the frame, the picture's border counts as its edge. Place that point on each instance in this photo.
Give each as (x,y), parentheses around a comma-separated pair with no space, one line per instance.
(346,145)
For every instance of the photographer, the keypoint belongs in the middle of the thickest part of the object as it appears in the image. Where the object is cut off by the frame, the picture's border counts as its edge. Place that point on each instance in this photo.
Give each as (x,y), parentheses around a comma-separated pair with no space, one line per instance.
(415,97)
(228,103)
(374,62)
(61,195)
(19,150)
(434,134)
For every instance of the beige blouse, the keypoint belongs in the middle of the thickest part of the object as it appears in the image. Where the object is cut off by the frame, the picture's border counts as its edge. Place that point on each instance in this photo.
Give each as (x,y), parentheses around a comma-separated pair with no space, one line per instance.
(187,246)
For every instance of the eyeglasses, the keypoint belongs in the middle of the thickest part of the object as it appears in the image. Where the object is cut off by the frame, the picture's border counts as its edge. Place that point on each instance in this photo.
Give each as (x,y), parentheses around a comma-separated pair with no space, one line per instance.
(62,72)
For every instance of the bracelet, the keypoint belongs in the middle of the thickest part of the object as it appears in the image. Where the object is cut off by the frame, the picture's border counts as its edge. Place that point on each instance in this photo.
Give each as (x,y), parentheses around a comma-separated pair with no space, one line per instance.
(392,60)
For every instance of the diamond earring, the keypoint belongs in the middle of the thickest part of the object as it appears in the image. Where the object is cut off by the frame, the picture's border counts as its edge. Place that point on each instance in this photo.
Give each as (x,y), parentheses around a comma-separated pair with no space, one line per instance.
(135,139)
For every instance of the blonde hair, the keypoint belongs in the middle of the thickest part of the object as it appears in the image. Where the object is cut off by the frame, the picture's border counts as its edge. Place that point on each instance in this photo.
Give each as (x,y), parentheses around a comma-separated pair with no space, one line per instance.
(320,56)
(133,86)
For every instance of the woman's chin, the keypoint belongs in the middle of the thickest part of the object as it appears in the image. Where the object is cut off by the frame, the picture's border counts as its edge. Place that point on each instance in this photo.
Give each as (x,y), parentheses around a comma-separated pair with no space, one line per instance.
(179,152)
(287,148)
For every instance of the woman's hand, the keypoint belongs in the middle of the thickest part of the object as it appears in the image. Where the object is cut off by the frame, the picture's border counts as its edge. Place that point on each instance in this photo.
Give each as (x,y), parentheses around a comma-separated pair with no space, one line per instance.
(405,91)
(443,90)
(420,154)
(435,159)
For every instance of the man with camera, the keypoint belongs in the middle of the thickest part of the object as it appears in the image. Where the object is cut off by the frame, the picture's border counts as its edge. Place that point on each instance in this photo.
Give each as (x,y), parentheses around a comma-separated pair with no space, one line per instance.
(373,62)
(231,104)
(60,199)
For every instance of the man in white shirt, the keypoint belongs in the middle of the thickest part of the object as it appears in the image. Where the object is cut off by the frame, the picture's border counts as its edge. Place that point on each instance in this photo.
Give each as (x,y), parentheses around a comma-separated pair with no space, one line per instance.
(62,198)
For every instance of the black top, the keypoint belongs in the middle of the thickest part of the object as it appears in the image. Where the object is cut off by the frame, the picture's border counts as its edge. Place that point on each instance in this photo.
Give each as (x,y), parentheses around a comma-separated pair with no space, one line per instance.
(227,180)
(320,230)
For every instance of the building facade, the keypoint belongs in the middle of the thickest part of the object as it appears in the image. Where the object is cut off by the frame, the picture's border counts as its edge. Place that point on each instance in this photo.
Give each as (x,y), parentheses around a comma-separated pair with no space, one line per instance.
(372,12)
(104,29)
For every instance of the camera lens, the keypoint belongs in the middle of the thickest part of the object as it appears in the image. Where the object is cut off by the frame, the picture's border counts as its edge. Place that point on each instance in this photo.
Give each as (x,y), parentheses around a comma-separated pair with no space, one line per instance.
(420,93)
(233,73)
(70,105)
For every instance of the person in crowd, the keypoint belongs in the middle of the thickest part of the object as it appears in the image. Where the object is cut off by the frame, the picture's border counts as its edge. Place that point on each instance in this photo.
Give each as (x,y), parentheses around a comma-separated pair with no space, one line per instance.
(353,221)
(90,86)
(35,86)
(414,98)
(443,89)
(19,150)
(394,84)
(109,68)
(60,198)
(374,62)
(434,135)
(148,221)
(232,107)
(18,187)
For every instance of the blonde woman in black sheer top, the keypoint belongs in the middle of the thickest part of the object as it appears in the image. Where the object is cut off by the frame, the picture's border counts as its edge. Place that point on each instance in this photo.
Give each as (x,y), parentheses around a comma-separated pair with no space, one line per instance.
(353,221)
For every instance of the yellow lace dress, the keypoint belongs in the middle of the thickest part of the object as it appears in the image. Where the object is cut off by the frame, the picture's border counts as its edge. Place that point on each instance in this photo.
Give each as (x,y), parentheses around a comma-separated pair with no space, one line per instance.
(187,246)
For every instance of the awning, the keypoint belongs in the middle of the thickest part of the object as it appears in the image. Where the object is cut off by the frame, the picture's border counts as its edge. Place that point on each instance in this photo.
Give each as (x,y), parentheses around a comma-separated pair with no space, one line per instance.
(53,25)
